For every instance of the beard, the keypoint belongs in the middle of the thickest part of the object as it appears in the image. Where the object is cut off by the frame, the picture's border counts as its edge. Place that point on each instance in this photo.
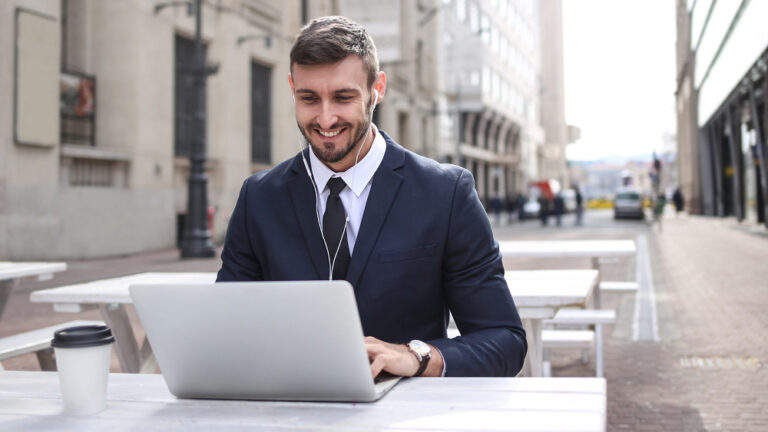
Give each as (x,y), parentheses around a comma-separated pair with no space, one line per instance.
(329,154)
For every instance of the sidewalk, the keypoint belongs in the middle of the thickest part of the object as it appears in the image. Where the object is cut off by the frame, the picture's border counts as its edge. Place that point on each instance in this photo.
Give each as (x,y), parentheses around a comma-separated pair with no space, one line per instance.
(707,370)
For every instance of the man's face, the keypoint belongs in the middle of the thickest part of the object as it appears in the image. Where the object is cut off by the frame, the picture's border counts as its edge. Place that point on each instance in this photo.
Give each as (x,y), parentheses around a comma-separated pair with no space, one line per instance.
(333,109)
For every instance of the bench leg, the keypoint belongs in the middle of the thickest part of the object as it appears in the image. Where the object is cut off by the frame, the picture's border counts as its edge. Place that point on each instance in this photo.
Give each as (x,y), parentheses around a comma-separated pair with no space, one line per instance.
(546,364)
(599,350)
(126,348)
(148,361)
(6,286)
(596,295)
(532,365)
(45,358)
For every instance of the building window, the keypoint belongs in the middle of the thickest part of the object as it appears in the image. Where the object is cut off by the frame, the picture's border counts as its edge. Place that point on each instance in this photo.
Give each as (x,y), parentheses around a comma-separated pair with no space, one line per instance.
(77,108)
(461,10)
(184,97)
(304,11)
(261,131)
(474,18)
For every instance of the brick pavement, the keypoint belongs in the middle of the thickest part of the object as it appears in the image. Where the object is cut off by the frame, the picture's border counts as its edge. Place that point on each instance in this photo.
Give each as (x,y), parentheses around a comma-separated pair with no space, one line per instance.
(710,277)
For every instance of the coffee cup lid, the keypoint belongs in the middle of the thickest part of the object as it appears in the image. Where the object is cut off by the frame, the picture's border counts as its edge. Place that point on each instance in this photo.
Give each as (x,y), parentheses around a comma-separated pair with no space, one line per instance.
(82,336)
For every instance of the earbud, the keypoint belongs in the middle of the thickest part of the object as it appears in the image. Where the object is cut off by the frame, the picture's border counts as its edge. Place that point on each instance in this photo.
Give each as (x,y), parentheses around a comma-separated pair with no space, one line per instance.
(293,96)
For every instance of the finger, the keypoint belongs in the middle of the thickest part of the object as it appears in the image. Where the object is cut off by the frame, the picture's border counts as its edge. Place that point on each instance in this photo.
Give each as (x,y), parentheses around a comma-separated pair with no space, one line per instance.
(376,366)
(374,349)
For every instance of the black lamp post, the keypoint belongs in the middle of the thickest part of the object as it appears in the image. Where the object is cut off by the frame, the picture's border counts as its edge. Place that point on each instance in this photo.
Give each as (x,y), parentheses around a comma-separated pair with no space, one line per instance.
(196,238)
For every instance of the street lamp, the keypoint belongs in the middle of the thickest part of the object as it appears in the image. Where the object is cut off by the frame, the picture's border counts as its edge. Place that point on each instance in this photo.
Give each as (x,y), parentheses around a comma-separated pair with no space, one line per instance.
(196,239)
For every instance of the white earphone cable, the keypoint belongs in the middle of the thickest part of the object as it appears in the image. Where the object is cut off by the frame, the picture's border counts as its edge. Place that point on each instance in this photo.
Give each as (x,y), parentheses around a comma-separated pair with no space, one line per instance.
(332,262)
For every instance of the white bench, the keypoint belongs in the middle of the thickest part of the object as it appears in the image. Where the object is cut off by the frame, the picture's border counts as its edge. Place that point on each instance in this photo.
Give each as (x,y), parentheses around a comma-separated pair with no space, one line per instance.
(38,342)
(618,286)
(562,338)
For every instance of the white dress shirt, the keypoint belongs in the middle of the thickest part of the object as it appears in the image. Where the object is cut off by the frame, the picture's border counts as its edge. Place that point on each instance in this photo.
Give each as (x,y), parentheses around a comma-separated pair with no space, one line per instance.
(358,179)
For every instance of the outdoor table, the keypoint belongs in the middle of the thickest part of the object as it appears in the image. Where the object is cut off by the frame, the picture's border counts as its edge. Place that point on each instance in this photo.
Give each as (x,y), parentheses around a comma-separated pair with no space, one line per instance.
(595,250)
(12,272)
(32,401)
(111,296)
(537,296)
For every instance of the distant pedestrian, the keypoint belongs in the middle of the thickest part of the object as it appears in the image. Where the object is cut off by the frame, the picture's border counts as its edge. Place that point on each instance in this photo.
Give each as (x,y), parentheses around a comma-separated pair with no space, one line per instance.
(678,200)
(658,209)
(579,206)
(510,207)
(559,209)
(496,208)
(521,199)
(544,210)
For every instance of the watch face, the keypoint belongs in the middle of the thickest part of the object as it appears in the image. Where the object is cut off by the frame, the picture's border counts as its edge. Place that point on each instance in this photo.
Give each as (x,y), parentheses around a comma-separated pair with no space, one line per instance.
(420,347)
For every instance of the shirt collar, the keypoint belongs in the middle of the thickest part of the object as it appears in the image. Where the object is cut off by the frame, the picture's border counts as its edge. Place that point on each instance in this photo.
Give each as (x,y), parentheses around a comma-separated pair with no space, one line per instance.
(361,174)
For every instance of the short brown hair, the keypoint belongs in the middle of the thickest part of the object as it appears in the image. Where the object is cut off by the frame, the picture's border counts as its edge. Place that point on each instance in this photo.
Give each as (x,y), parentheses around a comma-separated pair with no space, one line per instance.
(331,39)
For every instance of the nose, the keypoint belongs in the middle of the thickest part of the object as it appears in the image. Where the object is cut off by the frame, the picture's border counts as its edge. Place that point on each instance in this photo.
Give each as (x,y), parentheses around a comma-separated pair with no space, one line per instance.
(327,116)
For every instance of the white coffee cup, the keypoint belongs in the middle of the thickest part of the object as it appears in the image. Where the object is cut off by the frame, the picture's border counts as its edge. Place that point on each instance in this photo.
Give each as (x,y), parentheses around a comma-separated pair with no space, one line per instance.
(83,354)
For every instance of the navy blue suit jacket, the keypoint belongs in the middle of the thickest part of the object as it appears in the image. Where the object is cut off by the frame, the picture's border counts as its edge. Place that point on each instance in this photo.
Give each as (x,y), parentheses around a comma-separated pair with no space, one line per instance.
(424,247)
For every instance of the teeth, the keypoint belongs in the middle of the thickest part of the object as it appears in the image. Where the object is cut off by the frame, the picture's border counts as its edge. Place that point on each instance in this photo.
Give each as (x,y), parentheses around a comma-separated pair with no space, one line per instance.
(329,134)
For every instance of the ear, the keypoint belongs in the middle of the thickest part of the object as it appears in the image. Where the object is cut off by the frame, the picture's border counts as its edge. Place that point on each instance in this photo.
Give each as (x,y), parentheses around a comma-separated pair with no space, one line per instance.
(380,85)
(290,82)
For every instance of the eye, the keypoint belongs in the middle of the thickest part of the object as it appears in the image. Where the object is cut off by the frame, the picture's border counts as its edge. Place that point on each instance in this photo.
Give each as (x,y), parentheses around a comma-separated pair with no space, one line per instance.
(342,98)
(308,99)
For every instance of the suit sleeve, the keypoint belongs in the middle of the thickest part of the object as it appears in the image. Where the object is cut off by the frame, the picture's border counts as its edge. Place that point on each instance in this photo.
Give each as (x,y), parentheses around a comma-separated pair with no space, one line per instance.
(238,261)
(493,339)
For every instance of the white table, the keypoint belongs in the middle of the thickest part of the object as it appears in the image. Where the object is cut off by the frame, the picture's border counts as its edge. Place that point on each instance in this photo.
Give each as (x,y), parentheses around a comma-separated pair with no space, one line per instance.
(11,272)
(595,250)
(111,296)
(537,294)
(567,248)
(31,401)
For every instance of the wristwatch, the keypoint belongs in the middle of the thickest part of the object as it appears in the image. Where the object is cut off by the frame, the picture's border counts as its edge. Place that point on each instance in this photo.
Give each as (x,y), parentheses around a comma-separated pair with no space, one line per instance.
(422,352)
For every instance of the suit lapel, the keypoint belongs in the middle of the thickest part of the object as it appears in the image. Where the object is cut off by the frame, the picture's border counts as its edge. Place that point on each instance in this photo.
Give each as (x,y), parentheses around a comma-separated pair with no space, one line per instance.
(303,199)
(384,187)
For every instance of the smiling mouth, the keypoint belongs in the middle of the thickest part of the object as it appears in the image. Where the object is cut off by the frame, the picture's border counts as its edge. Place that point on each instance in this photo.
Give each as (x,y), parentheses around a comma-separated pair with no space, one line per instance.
(330,134)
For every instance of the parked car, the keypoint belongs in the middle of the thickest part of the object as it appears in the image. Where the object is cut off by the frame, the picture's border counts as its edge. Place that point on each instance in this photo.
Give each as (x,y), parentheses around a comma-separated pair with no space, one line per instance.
(628,204)
(531,208)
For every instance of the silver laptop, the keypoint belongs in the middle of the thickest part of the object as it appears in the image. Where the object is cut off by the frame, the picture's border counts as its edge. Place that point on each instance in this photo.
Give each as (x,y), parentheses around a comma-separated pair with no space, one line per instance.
(299,341)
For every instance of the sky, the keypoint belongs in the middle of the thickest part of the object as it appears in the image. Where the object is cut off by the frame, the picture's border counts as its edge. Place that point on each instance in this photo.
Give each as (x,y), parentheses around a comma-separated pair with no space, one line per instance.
(619,60)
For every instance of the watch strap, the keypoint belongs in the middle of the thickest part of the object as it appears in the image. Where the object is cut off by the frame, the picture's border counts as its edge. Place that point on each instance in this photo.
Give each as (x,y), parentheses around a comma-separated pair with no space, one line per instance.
(423,360)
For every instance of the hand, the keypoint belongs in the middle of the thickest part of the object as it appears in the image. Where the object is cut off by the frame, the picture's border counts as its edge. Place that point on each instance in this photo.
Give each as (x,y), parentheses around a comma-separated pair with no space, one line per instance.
(392,358)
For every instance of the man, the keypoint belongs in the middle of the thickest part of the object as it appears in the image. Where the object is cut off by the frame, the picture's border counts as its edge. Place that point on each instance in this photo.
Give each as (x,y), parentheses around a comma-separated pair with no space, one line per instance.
(579,205)
(411,238)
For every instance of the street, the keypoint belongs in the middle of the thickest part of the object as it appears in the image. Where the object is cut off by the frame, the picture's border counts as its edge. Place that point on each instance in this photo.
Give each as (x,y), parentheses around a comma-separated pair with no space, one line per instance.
(686,352)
